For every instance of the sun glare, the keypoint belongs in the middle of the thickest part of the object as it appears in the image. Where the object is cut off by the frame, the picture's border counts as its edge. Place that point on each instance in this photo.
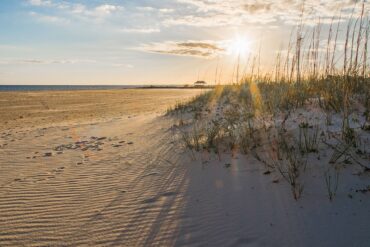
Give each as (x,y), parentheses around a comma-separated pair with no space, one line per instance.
(239,45)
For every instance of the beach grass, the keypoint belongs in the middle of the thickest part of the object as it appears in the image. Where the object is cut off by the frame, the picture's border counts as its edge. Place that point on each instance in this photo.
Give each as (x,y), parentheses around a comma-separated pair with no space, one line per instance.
(315,99)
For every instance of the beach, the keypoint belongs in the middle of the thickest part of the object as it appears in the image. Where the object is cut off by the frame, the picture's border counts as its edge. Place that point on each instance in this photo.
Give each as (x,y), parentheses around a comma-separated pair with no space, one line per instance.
(75,166)
(185,123)
(108,168)
(36,108)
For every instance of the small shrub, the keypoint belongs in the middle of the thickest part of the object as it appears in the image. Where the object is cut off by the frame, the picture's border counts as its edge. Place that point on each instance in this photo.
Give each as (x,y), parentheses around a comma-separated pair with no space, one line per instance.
(308,141)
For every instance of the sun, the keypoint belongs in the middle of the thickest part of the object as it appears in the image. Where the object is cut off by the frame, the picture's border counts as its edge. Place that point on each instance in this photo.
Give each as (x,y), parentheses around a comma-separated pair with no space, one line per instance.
(240,45)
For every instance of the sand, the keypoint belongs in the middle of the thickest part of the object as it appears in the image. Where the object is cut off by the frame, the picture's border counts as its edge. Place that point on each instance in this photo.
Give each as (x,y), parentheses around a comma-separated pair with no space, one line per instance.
(106,168)
(83,167)
(36,108)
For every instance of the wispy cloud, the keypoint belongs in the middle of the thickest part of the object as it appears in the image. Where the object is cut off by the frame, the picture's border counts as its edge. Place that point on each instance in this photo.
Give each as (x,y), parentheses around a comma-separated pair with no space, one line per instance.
(123,65)
(49,18)
(140,30)
(10,47)
(200,49)
(210,13)
(70,10)
(41,2)
(33,61)
(152,9)
(103,10)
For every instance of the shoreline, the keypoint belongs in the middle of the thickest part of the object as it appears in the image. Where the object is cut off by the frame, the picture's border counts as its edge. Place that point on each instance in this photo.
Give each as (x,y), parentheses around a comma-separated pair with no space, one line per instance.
(45,88)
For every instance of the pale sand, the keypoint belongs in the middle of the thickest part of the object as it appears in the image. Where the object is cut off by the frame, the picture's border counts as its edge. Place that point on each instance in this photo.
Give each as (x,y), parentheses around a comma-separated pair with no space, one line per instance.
(86,167)
(121,178)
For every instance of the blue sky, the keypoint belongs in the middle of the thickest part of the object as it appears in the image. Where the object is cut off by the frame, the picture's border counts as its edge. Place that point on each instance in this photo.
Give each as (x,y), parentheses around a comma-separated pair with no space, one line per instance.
(143,41)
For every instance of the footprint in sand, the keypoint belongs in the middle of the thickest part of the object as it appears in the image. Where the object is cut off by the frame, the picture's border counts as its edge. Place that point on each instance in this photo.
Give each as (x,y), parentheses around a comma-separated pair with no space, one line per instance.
(59,170)
(48,154)
(3,145)
(93,144)
(116,145)
(42,176)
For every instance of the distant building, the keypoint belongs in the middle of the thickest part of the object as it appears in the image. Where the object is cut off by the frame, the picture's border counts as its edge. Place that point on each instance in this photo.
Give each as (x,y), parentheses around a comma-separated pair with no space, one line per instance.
(199,84)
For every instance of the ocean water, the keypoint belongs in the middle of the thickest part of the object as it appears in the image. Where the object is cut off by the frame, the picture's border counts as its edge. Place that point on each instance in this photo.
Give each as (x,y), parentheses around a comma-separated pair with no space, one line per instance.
(62,87)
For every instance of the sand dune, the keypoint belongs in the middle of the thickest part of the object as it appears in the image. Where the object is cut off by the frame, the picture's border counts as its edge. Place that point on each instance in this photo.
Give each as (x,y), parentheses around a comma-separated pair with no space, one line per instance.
(124,180)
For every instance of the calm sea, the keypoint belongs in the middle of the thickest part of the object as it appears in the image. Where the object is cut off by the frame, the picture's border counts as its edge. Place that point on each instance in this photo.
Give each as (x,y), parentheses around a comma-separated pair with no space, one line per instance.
(61,87)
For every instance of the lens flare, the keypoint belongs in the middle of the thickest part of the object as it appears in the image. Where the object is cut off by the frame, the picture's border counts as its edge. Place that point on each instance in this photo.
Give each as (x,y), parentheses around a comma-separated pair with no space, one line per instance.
(240,45)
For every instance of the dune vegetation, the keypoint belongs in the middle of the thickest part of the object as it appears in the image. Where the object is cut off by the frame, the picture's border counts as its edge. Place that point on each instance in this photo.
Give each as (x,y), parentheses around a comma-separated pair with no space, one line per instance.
(312,111)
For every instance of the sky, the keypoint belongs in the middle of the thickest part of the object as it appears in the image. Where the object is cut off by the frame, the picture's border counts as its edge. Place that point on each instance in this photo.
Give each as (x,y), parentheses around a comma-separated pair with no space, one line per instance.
(146,41)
